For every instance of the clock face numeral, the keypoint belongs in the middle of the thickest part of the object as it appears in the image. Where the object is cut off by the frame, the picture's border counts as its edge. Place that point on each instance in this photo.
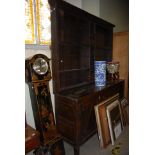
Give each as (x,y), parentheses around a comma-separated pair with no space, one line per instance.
(40,66)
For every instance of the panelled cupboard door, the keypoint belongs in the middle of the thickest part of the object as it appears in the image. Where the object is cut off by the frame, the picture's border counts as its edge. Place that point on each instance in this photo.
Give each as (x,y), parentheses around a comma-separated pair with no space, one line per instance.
(87,115)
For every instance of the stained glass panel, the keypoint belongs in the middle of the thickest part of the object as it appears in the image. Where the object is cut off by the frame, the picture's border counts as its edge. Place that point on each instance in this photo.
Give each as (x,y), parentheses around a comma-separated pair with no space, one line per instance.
(43,22)
(29,22)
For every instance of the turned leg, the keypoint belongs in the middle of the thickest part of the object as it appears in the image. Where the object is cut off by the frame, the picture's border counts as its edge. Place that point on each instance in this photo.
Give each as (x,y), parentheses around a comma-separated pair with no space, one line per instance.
(76,150)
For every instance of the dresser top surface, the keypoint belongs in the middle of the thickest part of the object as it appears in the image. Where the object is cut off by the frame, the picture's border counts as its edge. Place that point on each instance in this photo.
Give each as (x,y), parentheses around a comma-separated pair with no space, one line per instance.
(89,89)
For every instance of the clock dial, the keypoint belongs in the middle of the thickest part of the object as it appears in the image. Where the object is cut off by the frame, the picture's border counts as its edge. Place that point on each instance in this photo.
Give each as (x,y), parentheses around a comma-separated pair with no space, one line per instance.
(40,66)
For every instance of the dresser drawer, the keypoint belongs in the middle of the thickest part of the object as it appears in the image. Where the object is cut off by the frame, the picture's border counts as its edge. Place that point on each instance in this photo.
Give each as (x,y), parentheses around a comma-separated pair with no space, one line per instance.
(110,91)
(66,108)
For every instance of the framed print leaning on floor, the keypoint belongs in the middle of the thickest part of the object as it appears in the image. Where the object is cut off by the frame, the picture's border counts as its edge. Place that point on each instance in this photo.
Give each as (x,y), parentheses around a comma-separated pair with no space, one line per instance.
(125,116)
(114,120)
(102,121)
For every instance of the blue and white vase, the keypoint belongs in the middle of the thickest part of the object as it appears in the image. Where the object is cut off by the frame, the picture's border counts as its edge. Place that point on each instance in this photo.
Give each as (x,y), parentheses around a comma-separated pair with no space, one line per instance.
(100,73)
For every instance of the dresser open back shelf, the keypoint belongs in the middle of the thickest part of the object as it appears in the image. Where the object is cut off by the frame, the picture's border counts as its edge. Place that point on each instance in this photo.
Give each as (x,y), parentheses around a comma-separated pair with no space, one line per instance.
(78,39)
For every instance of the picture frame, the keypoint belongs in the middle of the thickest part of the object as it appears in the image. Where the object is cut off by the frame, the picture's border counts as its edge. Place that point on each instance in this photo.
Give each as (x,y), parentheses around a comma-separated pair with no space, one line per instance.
(102,121)
(123,105)
(114,120)
(124,102)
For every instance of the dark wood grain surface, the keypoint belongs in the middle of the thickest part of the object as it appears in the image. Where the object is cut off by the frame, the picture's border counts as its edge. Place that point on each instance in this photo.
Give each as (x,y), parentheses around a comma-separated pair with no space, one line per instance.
(31,139)
(78,39)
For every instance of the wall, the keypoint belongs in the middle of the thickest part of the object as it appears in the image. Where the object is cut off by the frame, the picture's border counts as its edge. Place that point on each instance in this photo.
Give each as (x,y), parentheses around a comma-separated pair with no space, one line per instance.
(121,54)
(77,3)
(91,6)
(113,11)
(116,12)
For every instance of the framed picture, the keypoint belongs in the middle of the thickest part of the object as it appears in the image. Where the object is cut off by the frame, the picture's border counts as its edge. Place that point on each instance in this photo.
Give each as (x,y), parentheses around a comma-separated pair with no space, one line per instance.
(124,102)
(114,120)
(123,105)
(102,121)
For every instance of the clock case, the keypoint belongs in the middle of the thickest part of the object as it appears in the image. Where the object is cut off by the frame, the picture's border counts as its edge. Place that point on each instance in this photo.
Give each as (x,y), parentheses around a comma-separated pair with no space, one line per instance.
(40,96)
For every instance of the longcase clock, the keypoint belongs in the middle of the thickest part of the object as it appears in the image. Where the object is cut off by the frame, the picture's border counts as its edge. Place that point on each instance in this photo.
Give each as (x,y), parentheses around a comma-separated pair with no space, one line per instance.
(38,75)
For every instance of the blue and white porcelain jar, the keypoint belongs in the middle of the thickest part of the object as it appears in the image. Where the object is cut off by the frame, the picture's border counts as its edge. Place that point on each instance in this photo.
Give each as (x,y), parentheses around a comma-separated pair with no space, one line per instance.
(100,73)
